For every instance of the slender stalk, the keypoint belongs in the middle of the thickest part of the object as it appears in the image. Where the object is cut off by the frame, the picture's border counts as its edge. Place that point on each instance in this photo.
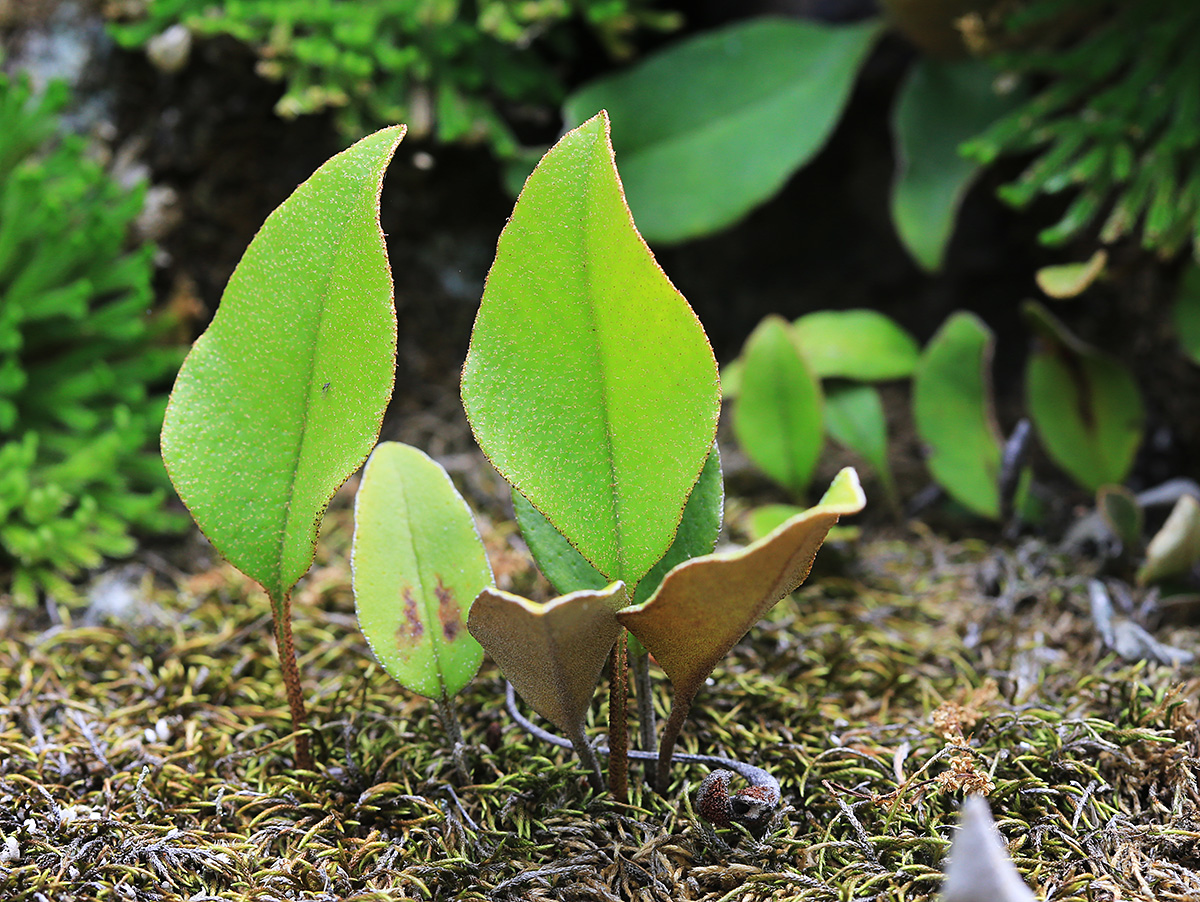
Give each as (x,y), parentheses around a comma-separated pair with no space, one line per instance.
(449,718)
(618,727)
(639,663)
(281,616)
(666,748)
(587,755)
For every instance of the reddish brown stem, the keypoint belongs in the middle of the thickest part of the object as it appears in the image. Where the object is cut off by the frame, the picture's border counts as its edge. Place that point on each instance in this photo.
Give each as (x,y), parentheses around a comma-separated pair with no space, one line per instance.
(618,728)
(281,615)
(666,746)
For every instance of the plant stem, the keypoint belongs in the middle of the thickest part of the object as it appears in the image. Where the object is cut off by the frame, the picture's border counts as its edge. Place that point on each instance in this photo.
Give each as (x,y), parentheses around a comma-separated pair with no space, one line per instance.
(281,616)
(639,663)
(666,748)
(618,727)
(587,755)
(449,718)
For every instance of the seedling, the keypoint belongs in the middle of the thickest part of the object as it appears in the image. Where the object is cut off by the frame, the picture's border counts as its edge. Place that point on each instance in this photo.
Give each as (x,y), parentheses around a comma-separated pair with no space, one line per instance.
(254,443)
(591,387)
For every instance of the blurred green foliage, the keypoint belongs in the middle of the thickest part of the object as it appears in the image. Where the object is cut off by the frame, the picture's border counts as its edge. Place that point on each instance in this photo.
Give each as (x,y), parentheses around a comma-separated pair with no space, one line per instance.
(448,69)
(78,359)
(1116,120)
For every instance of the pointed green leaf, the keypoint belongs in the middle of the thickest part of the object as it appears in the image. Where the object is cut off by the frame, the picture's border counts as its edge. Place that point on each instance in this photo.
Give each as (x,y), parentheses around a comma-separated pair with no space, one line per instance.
(589,383)
(952,407)
(568,571)
(1084,404)
(1175,548)
(941,105)
(1120,509)
(552,653)
(705,605)
(417,563)
(856,344)
(280,400)
(777,416)
(713,126)
(854,417)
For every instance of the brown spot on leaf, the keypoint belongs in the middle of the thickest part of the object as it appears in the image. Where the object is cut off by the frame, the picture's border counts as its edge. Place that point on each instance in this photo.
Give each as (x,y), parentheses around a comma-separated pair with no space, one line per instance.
(411,629)
(448,612)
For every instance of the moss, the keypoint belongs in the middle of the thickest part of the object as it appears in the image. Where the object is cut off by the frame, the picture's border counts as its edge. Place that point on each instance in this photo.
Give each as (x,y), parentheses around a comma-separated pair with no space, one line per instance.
(152,761)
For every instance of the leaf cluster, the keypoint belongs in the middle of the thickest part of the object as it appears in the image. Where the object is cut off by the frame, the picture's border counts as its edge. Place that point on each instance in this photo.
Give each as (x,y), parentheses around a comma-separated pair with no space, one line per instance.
(80,363)
(452,71)
(1116,121)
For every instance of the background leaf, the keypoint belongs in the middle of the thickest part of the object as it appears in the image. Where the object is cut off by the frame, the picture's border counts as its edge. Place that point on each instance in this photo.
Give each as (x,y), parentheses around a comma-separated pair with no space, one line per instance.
(280,400)
(952,407)
(777,416)
(567,569)
(589,383)
(856,344)
(1175,548)
(712,126)
(1187,312)
(1084,404)
(941,105)
(854,417)
(418,563)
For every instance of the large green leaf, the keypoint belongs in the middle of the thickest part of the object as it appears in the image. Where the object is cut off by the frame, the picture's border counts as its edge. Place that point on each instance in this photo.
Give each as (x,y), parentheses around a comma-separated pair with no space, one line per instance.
(856,344)
(280,400)
(712,126)
(952,406)
(1084,404)
(589,383)
(777,415)
(567,569)
(418,564)
(941,105)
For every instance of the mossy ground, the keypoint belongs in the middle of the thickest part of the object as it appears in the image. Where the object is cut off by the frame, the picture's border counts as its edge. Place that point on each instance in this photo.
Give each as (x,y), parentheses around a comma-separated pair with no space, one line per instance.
(149,758)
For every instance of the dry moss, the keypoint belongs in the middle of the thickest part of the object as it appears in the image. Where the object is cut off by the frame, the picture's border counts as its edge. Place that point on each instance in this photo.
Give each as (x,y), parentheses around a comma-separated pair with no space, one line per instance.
(149,759)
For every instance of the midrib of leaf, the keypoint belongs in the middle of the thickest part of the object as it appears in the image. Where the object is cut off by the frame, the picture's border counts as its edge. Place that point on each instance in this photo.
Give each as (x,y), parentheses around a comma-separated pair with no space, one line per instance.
(595,173)
(304,419)
(430,620)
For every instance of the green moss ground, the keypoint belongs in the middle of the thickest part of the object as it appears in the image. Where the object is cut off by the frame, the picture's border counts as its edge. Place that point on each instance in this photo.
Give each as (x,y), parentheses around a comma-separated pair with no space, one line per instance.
(149,759)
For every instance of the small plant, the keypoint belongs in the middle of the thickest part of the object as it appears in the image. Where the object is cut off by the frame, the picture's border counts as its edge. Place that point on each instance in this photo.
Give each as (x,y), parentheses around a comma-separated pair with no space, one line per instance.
(1083,404)
(281,399)
(453,71)
(81,366)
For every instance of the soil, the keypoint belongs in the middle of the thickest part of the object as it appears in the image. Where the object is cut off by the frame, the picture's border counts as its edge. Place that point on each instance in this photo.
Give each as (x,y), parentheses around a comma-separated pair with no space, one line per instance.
(145,747)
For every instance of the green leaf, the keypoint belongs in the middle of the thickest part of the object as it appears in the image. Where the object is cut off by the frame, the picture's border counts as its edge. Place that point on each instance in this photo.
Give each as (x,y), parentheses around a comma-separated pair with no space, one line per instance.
(856,344)
(1175,548)
(552,653)
(941,105)
(952,406)
(777,415)
(712,126)
(280,400)
(1187,312)
(589,383)
(705,605)
(854,417)
(1068,280)
(417,563)
(567,569)
(1124,516)
(1084,404)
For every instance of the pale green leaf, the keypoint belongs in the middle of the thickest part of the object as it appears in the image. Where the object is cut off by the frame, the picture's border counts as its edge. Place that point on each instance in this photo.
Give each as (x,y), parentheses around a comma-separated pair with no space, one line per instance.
(856,344)
(417,564)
